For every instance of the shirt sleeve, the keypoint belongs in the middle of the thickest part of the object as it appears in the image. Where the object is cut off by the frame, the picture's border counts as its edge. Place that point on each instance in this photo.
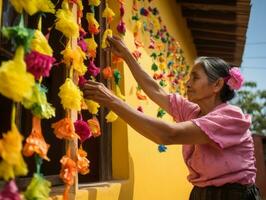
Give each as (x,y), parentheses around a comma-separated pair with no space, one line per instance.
(226,127)
(181,109)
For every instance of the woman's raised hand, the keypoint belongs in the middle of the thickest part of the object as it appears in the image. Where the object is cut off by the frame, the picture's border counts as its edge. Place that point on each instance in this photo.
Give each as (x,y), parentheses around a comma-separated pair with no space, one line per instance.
(98,92)
(117,46)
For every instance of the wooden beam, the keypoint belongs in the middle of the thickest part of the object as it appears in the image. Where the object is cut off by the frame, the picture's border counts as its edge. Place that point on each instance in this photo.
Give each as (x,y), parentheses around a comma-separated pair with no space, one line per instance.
(213,2)
(216,36)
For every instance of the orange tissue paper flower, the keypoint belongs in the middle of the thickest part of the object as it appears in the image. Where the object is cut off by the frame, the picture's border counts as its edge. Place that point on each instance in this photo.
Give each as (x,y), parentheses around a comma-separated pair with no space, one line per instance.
(107,32)
(65,22)
(141,96)
(83,163)
(68,170)
(92,46)
(12,74)
(64,129)
(70,95)
(35,142)
(94,127)
(107,72)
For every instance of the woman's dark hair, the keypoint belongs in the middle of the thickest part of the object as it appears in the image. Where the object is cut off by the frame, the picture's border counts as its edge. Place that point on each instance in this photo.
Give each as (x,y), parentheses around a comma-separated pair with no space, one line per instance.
(216,68)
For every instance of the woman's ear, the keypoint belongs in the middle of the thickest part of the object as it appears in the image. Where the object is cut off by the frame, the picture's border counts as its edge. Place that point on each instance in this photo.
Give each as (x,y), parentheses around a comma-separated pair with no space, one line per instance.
(218,85)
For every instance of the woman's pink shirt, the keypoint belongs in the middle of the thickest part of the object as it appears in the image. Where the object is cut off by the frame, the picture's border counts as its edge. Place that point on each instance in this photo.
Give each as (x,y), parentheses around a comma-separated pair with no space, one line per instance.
(232,159)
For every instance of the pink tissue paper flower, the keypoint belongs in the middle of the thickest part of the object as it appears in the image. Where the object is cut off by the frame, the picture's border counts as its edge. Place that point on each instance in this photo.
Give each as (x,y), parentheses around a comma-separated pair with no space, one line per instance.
(83,130)
(236,79)
(92,69)
(10,191)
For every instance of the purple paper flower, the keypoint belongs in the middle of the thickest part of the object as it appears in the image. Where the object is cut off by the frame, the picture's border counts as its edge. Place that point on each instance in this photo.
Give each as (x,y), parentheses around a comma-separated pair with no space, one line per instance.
(83,130)
(92,69)
(82,44)
(144,12)
(82,81)
(10,191)
(121,27)
(39,64)
(122,10)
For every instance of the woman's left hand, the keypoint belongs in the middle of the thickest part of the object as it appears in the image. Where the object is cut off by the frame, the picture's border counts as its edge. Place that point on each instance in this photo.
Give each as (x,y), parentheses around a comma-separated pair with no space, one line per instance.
(98,92)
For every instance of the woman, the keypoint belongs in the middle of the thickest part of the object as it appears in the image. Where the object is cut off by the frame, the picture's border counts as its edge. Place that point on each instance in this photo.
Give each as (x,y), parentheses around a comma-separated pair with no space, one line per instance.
(217,144)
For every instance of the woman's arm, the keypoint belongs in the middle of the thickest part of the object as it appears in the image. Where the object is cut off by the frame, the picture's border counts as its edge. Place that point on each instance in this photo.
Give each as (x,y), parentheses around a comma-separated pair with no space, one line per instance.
(155,92)
(151,128)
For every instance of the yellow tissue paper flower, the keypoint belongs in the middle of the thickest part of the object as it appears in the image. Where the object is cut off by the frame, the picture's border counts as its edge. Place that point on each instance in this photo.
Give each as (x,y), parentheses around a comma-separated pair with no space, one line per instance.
(12,163)
(111,117)
(162,66)
(75,58)
(65,22)
(107,32)
(92,106)
(15,82)
(108,13)
(39,43)
(92,21)
(118,92)
(70,95)
(155,22)
(33,6)
(94,2)
(91,44)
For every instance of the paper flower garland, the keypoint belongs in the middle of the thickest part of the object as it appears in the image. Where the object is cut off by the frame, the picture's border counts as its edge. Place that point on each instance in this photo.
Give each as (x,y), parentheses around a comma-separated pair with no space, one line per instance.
(107,33)
(92,106)
(121,26)
(83,130)
(65,22)
(108,13)
(94,27)
(12,74)
(82,162)
(35,142)
(64,129)
(94,126)
(92,46)
(111,117)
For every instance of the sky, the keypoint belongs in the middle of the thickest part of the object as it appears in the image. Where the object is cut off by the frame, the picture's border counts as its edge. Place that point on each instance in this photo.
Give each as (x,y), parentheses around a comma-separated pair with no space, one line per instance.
(253,66)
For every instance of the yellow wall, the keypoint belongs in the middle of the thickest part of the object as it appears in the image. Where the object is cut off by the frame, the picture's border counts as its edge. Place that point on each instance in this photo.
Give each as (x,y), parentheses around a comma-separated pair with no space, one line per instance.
(140,172)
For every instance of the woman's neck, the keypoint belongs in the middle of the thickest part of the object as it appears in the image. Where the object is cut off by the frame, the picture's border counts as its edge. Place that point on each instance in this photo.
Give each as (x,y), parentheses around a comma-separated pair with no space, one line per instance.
(207,105)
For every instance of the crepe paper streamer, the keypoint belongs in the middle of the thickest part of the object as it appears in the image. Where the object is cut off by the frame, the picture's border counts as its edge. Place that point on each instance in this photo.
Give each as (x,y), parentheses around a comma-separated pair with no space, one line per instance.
(19,35)
(107,73)
(38,104)
(94,126)
(13,74)
(117,76)
(83,130)
(39,64)
(107,33)
(92,69)
(10,191)
(108,13)
(12,163)
(33,6)
(92,106)
(70,95)
(35,142)
(65,22)
(94,27)
(118,92)
(92,46)
(111,117)
(162,148)
(39,188)
(64,129)
(83,163)
(160,113)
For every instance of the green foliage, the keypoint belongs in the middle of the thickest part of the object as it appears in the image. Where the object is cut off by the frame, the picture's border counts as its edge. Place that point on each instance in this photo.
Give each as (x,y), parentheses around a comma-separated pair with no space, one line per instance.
(253,101)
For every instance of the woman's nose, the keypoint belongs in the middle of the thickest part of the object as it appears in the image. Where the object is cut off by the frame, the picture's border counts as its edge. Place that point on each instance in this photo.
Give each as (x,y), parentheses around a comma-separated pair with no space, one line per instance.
(188,84)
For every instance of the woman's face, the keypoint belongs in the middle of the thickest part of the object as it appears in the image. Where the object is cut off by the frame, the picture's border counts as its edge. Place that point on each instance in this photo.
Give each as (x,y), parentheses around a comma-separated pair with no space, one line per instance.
(198,86)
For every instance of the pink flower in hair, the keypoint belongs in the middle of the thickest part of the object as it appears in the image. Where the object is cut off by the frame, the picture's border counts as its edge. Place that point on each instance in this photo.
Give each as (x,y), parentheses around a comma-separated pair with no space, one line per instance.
(236,79)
